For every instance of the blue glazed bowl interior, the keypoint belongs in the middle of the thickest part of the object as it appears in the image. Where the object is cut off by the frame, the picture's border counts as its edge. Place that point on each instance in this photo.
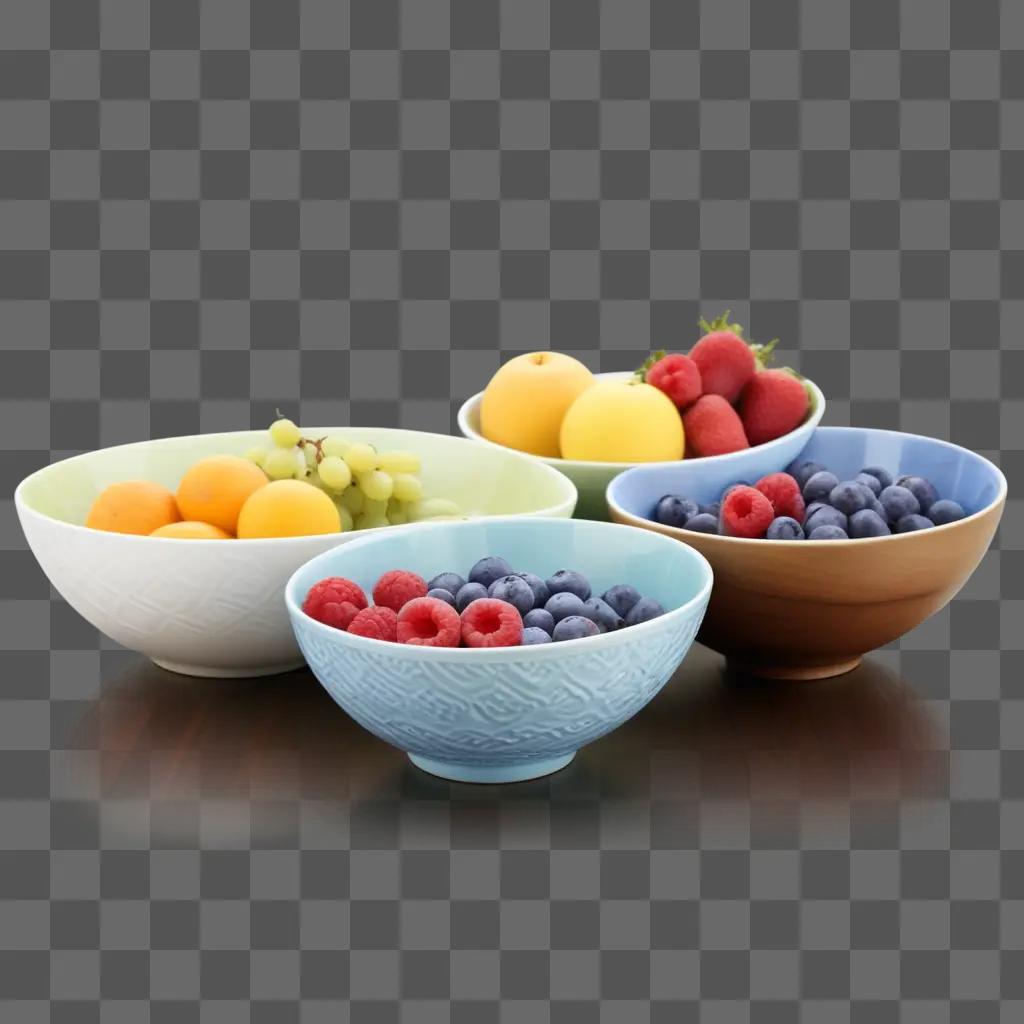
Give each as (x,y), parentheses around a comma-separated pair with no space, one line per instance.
(604,552)
(956,472)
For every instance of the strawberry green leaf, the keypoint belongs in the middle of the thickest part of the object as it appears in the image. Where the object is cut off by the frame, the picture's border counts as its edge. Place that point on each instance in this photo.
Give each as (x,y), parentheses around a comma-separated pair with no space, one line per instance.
(720,323)
(763,353)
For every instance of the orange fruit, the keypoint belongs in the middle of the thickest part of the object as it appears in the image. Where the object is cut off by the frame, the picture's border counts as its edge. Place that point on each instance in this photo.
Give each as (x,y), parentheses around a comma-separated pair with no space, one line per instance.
(133,506)
(215,489)
(190,529)
(288,508)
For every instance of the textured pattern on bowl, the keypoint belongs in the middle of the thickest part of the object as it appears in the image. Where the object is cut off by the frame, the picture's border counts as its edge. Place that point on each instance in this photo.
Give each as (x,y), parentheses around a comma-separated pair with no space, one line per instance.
(215,607)
(511,713)
(592,478)
(809,609)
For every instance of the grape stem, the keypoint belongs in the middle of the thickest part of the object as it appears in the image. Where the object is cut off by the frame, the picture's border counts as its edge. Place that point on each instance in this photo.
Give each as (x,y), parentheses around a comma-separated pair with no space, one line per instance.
(317,444)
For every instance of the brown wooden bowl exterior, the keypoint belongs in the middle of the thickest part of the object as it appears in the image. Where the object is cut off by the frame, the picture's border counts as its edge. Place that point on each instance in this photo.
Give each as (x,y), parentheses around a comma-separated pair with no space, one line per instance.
(806,610)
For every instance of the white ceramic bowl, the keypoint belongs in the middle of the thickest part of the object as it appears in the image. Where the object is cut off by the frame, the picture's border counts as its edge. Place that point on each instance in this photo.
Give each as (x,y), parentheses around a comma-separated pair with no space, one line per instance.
(215,608)
(592,478)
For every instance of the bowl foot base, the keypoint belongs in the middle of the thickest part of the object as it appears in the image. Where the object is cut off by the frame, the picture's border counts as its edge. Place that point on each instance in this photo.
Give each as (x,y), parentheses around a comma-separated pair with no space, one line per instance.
(797,673)
(500,773)
(212,672)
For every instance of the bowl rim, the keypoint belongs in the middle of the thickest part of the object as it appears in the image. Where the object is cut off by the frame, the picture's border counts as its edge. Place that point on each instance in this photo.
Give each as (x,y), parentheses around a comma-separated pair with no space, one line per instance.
(470,405)
(23,507)
(448,654)
(682,534)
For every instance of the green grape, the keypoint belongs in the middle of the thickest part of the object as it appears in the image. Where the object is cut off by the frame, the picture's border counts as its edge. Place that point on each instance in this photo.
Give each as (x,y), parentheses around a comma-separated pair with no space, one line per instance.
(399,462)
(347,522)
(284,463)
(256,454)
(376,485)
(407,487)
(335,446)
(368,521)
(361,458)
(435,507)
(334,473)
(375,508)
(284,433)
(353,499)
(397,514)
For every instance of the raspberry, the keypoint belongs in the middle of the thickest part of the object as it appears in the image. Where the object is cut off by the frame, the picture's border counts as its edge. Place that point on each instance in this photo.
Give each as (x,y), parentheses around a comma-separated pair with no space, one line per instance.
(428,622)
(783,492)
(378,623)
(334,601)
(746,512)
(488,622)
(396,588)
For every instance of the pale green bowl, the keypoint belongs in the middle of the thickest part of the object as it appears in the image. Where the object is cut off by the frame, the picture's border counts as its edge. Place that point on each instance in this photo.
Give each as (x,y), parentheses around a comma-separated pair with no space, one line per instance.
(592,478)
(216,608)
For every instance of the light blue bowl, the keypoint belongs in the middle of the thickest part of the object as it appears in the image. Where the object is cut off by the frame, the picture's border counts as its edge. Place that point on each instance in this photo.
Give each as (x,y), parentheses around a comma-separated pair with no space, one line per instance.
(511,713)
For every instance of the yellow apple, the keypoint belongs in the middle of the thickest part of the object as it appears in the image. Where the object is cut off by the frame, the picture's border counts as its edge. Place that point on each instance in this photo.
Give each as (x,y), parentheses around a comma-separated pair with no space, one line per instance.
(622,421)
(526,400)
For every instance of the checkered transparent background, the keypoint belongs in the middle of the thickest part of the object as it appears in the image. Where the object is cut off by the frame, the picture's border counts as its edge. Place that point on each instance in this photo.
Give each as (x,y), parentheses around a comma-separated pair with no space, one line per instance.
(353,210)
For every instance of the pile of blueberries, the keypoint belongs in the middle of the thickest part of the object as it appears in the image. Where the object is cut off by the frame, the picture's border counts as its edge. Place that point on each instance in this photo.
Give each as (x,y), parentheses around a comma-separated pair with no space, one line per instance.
(870,505)
(562,607)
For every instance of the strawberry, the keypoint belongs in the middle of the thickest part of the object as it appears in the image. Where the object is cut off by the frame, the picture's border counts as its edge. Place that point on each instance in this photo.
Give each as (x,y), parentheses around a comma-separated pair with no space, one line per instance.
(674,374)
(727,362)
(713,427)
(772,404)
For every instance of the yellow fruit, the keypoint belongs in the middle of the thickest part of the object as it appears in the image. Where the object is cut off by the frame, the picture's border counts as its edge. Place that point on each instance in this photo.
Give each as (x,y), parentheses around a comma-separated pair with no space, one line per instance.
(288,508)
(215,489)
(526,400)
(133,506)
(622,421)
(189,529)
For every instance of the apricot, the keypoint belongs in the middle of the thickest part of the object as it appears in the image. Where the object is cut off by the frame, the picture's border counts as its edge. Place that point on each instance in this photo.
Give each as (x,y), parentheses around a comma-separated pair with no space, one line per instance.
(525,401)
(190,529)
(288,508)
(215,489)
(133,506)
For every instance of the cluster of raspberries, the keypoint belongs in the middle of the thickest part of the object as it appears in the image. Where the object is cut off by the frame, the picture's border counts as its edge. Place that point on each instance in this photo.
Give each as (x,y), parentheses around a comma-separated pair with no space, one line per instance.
(403,613)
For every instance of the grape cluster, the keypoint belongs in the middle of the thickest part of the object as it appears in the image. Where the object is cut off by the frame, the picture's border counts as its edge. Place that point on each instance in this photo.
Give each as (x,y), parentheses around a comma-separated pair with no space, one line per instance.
(371,488)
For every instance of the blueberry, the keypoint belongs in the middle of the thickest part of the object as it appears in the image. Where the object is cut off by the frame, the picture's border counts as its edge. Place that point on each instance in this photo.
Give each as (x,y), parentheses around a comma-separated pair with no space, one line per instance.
(532,635)
(703,523)
(621,598)
(442,595)
(674,510)
(801,472)
(538,586)
(868,480)
(489,569)
(513,589)
(868,523)
(813,507)
(539,618)
(711,510)
(450,581)
(898,502)
(819,487)
(825,516)
(849,497)
(921,489)
(828,533)
(874,505)
(575,627)
(569,581)
(607,618)
(945,511)
(883,476)
(564,604)
(785,528)
(644,610)
(910,523)
(469,593)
